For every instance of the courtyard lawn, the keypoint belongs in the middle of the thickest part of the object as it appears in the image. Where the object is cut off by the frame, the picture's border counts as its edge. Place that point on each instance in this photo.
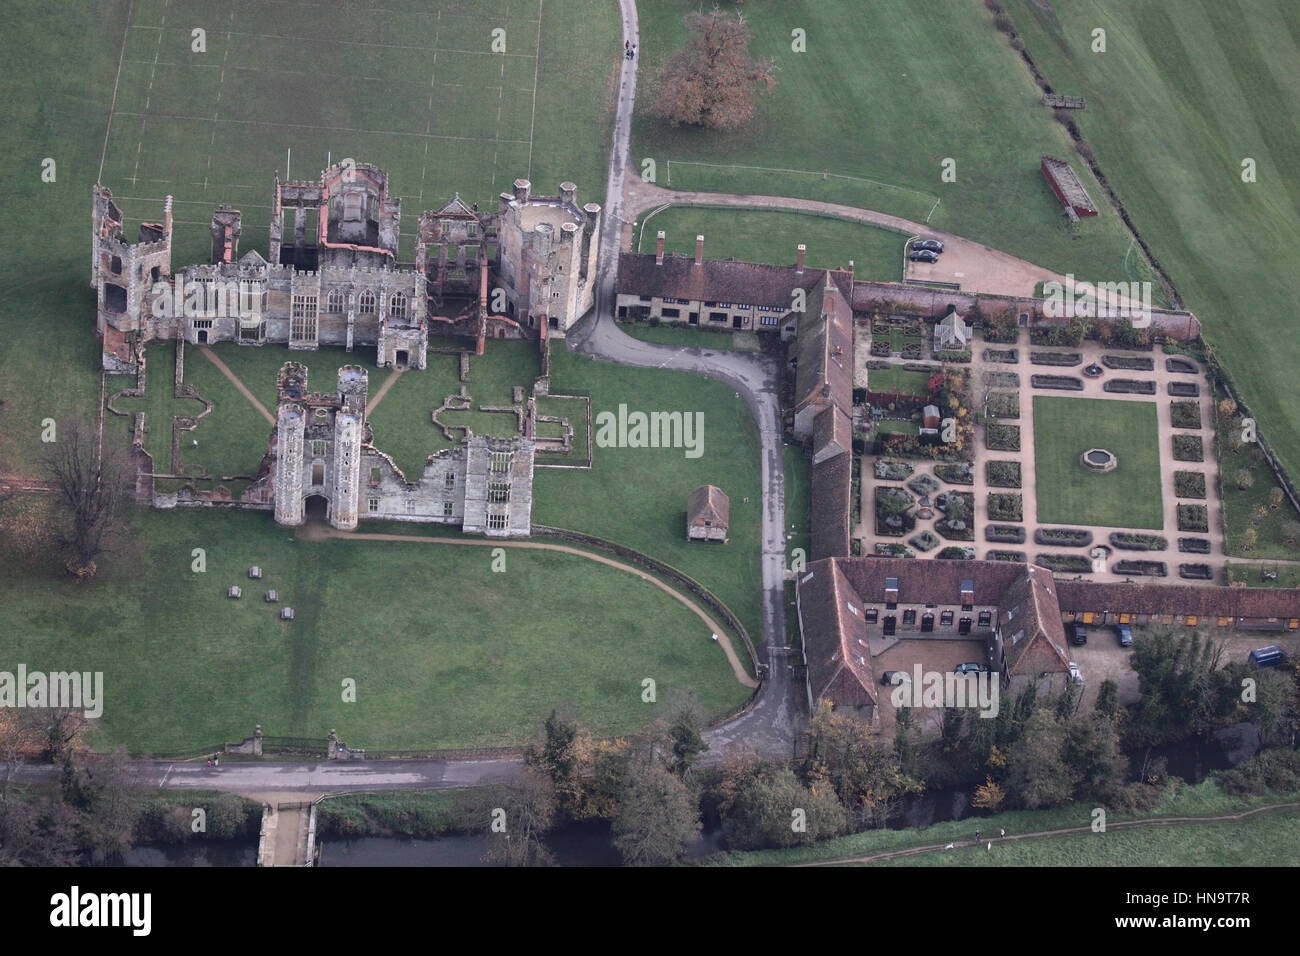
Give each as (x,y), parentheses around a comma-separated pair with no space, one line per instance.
(897,379)
(772,237)
(445,652)
(1187,93)
(1067,493)
(867,117)
(637,496)
(683,336)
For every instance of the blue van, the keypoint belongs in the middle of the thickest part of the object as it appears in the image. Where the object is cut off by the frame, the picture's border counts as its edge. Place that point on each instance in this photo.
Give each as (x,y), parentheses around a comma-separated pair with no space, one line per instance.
(1269,656)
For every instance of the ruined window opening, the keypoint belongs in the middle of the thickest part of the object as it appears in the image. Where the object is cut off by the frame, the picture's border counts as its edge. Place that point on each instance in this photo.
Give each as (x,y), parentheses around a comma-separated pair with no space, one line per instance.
(374,476)
(451,479)
(352,207)
(397,305)
(499,492)
(318,473)
(501,461)
(116,265)
(334,303)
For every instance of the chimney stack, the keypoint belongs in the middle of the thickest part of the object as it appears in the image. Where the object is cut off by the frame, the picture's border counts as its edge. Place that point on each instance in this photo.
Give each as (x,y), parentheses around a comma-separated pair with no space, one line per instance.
(798,266)
(659,248)
(699,250)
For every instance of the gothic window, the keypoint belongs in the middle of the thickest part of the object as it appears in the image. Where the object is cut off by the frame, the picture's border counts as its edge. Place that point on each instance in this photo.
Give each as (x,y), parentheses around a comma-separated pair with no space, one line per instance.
(335,302)
(499,492)
(397,305)
(366,306)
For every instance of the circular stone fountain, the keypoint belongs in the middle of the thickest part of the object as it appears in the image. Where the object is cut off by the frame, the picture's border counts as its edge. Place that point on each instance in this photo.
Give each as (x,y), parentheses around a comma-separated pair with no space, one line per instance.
(1099,460)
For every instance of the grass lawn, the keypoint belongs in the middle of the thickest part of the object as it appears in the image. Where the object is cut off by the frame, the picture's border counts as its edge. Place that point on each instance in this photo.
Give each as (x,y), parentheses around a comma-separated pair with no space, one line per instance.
(1185,93)
(479,663)
(756,236)
(637,496)
(886,427)
(1067,493)
(686,336)
(1288,575)
(897,379)
(1269,837)
(874,130)
(1240,504)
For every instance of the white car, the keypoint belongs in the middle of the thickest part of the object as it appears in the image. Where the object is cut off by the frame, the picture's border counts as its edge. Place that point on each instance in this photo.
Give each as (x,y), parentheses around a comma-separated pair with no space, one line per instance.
(1076,675)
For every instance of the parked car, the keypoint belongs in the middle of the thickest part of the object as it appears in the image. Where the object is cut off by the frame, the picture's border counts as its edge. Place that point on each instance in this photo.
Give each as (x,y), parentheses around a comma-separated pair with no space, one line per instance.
(1124,634)
(1076,675)
(894,678)
(1269,656)
(924,255)
(1078,634)
(931,245)
(973,667)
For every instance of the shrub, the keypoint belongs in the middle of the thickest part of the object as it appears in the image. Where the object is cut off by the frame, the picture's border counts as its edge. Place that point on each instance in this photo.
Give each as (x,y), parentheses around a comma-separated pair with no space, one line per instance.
(924,541)
(1005,506)
(1155,569)
(1056,358)
(924,485)
(892,470)
(1185,414)
(1069,563)
(1017,557)
(1064,383)
(1002,474)
(1193,518)
(1063,537)
(1130,541)
(1129,386)
(957,553)
(1004,404)
(961,473)
(1004,534)
(1189,448)
(1002,437)
(1243,479)
(1189,484)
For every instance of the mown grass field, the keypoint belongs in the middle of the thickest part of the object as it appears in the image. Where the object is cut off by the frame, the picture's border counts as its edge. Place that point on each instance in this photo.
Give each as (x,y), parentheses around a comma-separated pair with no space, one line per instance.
(637,496)
(1184,94)
(444,651)
(754,236)
(687,336)
(1067,493)
(1263,840)
(885,93)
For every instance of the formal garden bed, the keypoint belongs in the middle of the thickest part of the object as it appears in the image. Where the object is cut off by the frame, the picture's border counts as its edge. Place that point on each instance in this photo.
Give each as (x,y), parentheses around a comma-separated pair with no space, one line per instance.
(1005,506)
(1002,437)
(1149,569)
(959,473)
(1189,484)
(889,549)
(1063,359)
(956,552)
(1185,414)
(1008,335)
(1062,383)
(1193,518)
(1005,356)
(1004,534)
(1002,474)
(1057,335)
(886,470)
(957,523)
(1189,448)
(1001,379)
(1130,363)
(925,541)
(1064,563)
(1063,537)
(1016,557)
(923,485)
(1181,366)
(1131,541)
(1129,386)
(957,358)
(1196,572)
(892,518)
(1194,545)
(1184,389)
(1004,404)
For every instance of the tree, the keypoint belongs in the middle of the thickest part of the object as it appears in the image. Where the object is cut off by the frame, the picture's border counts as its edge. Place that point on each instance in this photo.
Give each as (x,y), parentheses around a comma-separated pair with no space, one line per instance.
(1039,775)
(990,796)
(713,83)
(1275,499)
(865,775)
(1227,408)
(684,722)
(1243,478)
(519,814)
(772,808)
(100,788)
(657,816)
(1291,532)
(557,756)
(89,491)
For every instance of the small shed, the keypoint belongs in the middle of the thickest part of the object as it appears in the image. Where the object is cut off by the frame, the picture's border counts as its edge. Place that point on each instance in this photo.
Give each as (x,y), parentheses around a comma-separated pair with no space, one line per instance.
(708,514)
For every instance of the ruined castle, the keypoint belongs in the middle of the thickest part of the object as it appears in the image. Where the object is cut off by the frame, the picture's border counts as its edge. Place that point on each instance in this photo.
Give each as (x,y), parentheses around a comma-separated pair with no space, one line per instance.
(525,271)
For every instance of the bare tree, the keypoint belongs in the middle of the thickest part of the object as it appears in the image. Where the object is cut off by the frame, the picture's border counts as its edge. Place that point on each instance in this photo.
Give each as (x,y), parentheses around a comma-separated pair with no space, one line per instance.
(89,489)
(713,82)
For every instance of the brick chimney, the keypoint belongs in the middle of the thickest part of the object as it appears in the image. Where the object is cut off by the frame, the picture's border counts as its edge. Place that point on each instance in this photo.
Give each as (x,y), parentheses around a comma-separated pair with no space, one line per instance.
(659,248)
(798,265)
(699,250)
